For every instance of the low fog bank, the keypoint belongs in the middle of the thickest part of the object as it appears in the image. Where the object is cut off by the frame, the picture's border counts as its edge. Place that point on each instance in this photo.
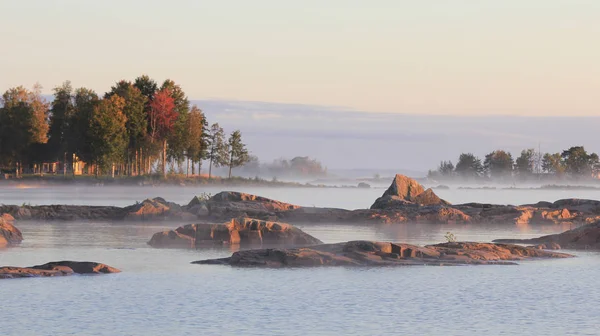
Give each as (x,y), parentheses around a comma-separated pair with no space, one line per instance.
(346,139)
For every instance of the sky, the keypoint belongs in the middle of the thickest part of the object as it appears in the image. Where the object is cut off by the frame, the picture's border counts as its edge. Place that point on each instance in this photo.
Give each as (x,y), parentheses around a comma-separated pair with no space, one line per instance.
(438,57)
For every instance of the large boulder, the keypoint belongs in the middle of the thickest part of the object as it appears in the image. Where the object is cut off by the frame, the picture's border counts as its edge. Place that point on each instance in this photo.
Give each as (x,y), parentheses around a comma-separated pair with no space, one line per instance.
(9,234)
(367,253)
(230,204)
(405,191)
(239,232)
(584,237)
(156,208)
(57,268)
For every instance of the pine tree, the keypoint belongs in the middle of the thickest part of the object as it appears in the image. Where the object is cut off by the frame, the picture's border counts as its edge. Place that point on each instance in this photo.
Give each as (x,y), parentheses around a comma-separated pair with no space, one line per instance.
(238,155)
(218,154)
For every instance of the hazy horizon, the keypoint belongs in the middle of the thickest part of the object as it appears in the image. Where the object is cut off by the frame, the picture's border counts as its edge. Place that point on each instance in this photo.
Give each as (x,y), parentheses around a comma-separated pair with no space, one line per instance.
(452,58)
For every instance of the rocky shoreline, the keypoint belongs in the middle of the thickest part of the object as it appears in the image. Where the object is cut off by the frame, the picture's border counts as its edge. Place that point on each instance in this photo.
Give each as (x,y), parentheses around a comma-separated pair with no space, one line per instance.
(368,253)
(404,201)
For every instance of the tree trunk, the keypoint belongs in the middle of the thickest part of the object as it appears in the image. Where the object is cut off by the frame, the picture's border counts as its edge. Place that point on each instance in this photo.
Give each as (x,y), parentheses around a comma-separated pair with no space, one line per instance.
(113,170)
(164,163)
(187,173)
(193,168)
(230,163)
(210,169)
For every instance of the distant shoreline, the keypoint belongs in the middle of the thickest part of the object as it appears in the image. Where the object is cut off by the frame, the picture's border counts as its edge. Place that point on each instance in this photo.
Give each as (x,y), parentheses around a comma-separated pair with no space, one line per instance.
(157,180)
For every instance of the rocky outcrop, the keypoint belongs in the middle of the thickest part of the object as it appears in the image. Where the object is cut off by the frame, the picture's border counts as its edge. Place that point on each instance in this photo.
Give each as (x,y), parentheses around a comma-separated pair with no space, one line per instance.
(9,234)
(405,191)
(57,268)
(367,253)
(229,204)
(582,238)
(240,232)
(63,212)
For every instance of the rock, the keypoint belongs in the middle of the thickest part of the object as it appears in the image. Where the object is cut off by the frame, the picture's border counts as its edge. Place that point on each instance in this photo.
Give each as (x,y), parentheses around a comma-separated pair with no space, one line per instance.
(404,187)
(229,204)
(9,234)
(148,209)
(364,185)
(57,268)
(405,191)
(368,253)
(242,232)
(428,197)
(584,237)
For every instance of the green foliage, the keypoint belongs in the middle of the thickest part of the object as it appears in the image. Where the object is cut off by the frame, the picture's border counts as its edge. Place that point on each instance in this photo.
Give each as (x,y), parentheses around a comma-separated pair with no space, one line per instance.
(77,135)
(524,165)
(16,124)
(238,155)
(498,164)
(108,135)
(552,164)
(469,166)
(134,110)
(578,162)
(61,110)
(218,154)
(450,237)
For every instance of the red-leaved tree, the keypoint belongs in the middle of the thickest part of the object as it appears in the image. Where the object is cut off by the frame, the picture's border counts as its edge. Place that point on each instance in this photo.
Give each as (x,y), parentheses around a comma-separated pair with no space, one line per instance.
(162,119)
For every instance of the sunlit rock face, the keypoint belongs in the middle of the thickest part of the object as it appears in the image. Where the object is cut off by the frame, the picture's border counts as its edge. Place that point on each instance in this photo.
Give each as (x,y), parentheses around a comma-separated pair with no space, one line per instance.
(241,232)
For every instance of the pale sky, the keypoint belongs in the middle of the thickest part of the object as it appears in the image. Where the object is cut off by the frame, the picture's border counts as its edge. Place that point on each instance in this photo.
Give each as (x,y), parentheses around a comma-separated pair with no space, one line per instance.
(470,57)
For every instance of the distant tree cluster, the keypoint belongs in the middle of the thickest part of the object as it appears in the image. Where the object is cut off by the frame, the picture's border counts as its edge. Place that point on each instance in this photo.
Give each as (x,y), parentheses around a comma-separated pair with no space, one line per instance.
(298,167)
(130,129)
(499,165)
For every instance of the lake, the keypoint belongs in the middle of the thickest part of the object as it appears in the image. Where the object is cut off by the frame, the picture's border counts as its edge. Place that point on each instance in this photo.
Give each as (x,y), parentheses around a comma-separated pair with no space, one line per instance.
(160,292)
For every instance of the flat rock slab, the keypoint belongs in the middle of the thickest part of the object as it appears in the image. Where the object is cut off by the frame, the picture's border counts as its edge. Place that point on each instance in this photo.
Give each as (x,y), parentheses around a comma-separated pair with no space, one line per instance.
(56,268)
(369,253)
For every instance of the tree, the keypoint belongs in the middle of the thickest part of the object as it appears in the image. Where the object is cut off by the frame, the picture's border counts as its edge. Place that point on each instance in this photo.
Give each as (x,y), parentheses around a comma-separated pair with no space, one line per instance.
(469,166)
(147,86)
(39,122)
(137,119)
(197,149)
(238,155)
(525,163)
(218,154)
(16,126)
(77,134)
(179,137)
(61,110)
(162,120)
(578,162)
(552,164)
(108,134)
(446,168)
(498,164)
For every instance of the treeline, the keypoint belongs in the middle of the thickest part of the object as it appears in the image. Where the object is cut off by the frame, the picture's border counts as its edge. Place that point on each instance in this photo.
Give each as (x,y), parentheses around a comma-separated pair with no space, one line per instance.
(499,165)
(130,129)
(299,166)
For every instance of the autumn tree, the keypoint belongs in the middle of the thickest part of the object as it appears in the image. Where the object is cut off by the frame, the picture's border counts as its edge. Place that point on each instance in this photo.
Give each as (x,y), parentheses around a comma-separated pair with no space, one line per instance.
(468,166)
(218,154)
(137,120)
(552,164)
(39,122)
(108,133)
(162,121)
(238,155)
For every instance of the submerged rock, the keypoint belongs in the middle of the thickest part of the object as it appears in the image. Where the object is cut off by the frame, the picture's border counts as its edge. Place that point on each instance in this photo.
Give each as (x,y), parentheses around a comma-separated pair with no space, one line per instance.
(244,232)
(9,234)
(56,268)
(368,253)
(584,237)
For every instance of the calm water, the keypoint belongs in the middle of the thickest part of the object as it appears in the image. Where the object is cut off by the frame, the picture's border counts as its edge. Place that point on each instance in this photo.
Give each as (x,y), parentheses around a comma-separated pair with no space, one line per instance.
(160,293)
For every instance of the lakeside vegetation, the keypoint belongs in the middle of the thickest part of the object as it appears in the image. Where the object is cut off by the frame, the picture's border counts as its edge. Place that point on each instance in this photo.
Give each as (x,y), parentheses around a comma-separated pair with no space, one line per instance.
(132,128)
(574,163)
